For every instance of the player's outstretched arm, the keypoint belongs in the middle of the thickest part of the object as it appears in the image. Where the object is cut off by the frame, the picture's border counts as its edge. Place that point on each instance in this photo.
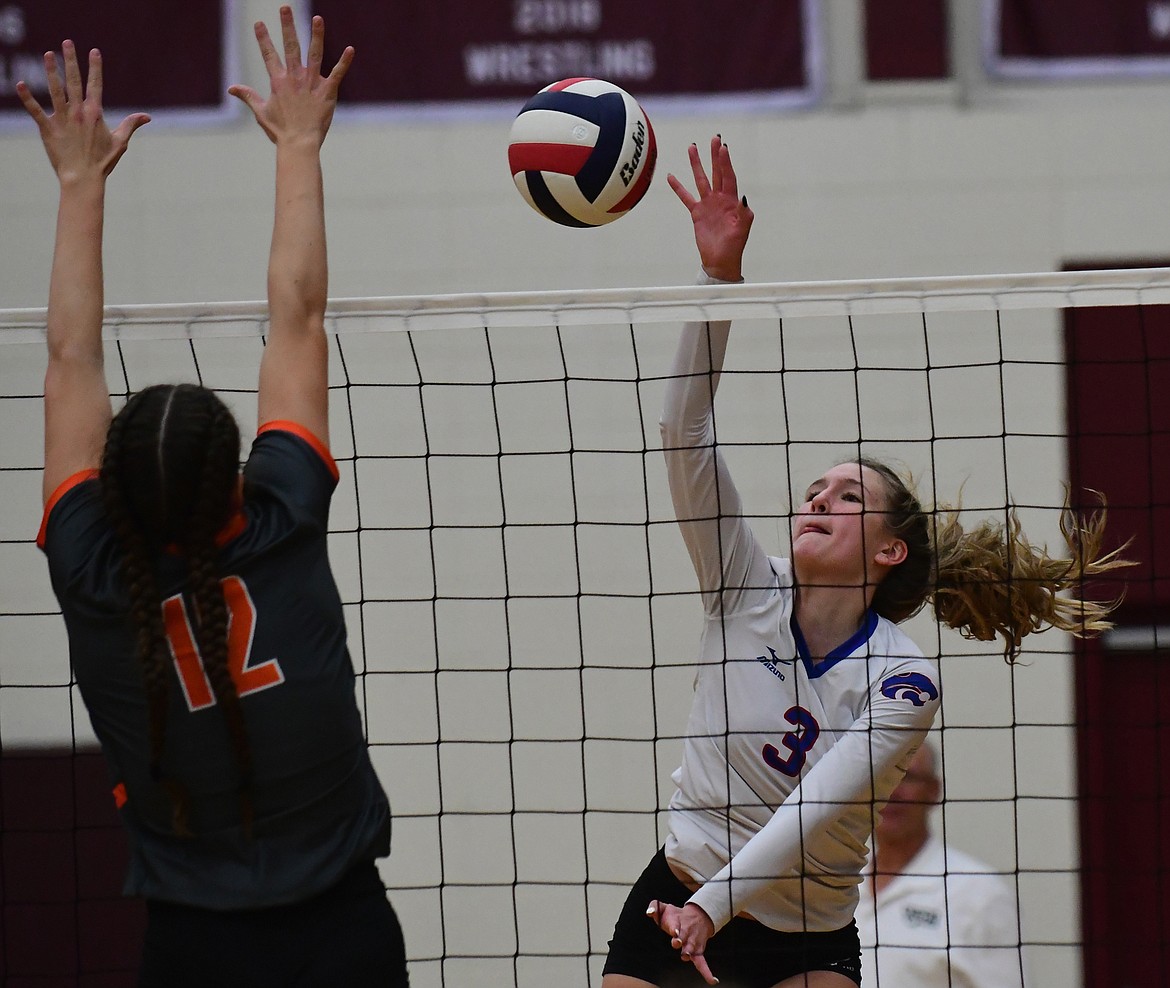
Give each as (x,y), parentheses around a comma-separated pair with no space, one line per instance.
(296,117)
(726,556)
(83,151)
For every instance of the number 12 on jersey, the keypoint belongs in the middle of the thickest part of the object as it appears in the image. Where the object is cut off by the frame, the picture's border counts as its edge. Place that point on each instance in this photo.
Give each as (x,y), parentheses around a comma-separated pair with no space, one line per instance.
(241,626)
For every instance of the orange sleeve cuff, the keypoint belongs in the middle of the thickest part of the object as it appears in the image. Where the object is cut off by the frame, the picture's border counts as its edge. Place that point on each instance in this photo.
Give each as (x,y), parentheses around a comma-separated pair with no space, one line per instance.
(63,488)
(283,425)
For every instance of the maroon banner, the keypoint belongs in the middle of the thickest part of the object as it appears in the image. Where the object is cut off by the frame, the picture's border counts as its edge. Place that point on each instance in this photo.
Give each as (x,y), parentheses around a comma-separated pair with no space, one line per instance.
(156,56)
(426,51)
(1080,37)
(906,40)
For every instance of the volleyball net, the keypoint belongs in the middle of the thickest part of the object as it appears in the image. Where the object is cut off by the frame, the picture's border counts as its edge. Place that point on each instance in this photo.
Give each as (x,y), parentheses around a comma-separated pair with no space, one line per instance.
(522,613)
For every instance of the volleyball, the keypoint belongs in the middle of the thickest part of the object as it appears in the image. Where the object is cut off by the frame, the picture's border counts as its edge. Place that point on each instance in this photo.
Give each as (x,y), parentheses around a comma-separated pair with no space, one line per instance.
(582,152)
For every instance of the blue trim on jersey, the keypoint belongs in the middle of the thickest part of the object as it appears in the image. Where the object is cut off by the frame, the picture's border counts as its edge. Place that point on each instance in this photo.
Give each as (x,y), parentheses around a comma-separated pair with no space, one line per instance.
(844,650)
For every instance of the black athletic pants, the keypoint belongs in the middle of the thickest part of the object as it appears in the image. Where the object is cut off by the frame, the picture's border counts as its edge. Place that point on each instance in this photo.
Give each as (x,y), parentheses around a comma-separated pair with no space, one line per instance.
(346,935)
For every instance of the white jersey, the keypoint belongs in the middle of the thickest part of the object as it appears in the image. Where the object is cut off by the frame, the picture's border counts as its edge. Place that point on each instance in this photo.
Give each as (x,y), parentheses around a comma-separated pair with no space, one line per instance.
(943,923)
(785,761)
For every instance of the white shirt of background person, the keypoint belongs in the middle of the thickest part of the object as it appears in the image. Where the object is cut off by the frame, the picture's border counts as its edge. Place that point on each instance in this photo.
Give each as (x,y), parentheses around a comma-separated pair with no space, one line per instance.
(930,916)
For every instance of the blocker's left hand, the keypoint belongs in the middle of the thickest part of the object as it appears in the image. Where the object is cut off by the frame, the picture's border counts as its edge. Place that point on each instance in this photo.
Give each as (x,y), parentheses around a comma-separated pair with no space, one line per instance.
(77,139)
(689,929)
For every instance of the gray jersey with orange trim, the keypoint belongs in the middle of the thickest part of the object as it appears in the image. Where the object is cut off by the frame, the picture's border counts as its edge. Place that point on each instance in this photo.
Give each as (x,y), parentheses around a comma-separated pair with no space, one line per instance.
(319,807)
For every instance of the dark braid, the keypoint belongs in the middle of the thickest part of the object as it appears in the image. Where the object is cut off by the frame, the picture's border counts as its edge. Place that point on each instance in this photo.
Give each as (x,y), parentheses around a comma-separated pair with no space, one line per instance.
(138,568)
(219,472)
(168,479)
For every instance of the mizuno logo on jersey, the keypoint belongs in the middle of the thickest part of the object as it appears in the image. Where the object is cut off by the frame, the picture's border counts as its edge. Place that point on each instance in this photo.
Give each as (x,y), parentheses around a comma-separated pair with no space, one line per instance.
(770,663)
(912,686)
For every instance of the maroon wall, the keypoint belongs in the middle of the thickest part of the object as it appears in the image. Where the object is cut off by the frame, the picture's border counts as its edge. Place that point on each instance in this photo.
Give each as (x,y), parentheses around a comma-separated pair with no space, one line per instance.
(63,919)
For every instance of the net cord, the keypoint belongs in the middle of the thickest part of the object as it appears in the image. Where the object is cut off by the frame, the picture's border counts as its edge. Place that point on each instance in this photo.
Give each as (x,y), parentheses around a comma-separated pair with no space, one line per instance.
(1049,290)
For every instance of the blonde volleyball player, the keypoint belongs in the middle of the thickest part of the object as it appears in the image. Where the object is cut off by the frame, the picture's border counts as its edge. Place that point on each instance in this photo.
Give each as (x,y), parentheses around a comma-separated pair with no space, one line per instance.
(205,628)
(809,701)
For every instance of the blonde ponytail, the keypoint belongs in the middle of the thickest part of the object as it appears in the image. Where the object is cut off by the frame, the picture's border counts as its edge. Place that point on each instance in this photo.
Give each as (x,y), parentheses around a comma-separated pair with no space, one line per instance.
(992,582)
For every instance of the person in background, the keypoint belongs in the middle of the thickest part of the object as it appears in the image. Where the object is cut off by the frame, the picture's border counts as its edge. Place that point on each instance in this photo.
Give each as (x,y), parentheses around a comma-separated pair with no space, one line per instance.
(930,915)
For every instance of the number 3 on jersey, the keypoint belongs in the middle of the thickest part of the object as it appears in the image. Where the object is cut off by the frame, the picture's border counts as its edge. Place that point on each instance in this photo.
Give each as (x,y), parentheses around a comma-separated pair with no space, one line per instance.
(241,625)
(797,742)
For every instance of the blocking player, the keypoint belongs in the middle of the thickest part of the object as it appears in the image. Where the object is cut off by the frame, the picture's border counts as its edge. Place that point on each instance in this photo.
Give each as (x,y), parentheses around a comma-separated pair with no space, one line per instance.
(205,628)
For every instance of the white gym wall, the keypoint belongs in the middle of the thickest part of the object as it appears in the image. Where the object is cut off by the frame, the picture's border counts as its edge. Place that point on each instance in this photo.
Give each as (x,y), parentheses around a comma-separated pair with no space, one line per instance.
(904,183)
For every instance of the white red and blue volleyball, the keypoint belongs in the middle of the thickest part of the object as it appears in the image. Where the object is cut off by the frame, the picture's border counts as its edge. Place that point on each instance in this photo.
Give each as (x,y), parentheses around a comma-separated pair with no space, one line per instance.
(582,152)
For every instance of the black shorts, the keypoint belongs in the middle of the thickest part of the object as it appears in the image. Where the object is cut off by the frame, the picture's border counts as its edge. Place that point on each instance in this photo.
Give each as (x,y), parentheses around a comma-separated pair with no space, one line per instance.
(744,953)
(346,935)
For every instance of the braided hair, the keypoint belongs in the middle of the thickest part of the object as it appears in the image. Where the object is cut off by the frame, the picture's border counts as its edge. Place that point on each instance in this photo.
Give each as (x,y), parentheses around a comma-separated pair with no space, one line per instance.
(168,479)
(992,581)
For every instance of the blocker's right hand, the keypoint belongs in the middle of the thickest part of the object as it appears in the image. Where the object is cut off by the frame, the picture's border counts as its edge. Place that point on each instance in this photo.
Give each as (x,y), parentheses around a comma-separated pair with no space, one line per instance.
(721,218)
(303,100)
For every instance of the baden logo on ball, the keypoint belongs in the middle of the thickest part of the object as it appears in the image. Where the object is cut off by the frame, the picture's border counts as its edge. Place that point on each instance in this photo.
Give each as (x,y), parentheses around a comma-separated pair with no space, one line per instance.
(582,152)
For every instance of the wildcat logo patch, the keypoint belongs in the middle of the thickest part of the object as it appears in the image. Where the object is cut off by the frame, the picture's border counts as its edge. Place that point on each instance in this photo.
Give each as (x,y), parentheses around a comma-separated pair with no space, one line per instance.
(912,686)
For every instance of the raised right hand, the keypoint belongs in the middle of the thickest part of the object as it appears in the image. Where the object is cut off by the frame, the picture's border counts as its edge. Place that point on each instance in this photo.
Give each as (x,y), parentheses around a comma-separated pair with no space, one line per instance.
(722,220)
(302,101)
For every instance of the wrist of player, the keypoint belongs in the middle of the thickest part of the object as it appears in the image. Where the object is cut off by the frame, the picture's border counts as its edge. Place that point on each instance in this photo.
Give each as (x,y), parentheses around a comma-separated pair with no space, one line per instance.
(698,915)
(730,273)
(79,181)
